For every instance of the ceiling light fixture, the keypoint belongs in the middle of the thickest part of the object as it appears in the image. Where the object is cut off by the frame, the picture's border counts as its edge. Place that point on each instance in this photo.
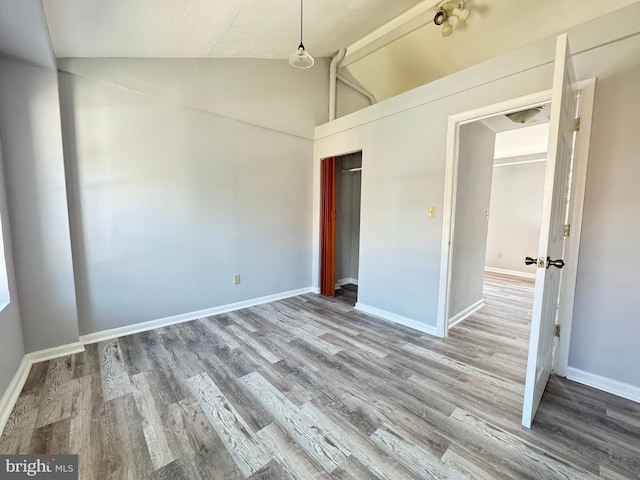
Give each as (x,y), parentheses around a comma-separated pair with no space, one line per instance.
(525,116)
(447,28)
(440,17)
(301,58)
(447,10)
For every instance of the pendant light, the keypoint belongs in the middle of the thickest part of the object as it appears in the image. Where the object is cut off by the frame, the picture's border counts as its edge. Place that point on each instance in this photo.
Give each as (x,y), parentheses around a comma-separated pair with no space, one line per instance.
(301,58)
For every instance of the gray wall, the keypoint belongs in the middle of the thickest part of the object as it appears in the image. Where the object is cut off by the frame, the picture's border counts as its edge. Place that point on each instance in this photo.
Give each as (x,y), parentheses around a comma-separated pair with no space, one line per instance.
(24,34)
(170,201)
(11,340)
(264,93)
(36,196)
(404,173)
(515,214)
(348,100)
(348,217)
(606,325)
(475,165)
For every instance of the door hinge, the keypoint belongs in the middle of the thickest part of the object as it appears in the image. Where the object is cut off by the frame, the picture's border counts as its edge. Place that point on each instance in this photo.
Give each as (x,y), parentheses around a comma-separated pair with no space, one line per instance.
(576,125)
(334,215)
(556,333)
(567,230)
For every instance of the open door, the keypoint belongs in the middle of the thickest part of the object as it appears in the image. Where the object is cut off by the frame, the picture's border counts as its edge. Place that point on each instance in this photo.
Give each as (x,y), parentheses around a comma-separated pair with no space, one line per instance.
(551,246)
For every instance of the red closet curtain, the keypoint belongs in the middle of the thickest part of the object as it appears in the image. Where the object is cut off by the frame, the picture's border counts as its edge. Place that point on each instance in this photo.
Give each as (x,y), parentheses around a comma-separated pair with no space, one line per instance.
(328,228)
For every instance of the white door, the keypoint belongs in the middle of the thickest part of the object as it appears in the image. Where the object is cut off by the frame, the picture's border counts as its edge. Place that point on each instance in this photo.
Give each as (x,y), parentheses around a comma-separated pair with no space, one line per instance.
(551,246)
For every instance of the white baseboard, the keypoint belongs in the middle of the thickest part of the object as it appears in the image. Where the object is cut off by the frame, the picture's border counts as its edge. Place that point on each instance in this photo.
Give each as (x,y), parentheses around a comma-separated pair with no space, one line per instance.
(605,384)
(13,390)
(392,317)
(55,352)
(513,273)
(186,317)
(470,310)
(315,290)
(345,281)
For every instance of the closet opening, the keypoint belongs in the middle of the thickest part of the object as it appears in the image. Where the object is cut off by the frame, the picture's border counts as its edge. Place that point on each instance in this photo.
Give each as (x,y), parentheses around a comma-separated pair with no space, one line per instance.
(340,228)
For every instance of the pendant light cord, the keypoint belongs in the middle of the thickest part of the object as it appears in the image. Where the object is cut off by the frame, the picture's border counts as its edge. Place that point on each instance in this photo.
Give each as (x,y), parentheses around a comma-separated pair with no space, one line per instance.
(301,6)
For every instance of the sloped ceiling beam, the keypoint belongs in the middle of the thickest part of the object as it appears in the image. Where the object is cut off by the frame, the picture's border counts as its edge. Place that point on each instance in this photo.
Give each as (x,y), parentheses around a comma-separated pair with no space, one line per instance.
(409,21)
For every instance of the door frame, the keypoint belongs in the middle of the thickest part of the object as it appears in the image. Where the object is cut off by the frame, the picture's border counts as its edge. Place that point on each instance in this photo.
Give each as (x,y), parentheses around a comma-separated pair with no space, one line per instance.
(321,272)
(567,294)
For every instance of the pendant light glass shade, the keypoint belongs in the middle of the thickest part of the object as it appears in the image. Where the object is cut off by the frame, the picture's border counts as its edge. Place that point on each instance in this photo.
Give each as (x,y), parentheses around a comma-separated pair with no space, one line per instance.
(301,58)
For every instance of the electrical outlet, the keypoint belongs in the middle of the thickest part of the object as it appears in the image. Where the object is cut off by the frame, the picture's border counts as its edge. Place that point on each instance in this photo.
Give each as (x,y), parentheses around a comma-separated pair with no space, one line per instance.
(431,213)
(236,279)
(499,254)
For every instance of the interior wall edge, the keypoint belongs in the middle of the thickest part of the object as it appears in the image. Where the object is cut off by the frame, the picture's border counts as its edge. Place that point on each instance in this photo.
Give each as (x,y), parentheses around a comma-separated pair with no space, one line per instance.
(465,313)
(63,68)
(11,394)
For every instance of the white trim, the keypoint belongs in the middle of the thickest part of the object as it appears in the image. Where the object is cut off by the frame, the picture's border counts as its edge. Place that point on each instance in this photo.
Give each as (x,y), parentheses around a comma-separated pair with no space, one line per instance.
(523,162)
(13,390)
(614,387)
(345,281)
(451,168)
(513,273)
(55,352)
(412,19)
(186,317)
(466,313)
(392,317)
(569,276)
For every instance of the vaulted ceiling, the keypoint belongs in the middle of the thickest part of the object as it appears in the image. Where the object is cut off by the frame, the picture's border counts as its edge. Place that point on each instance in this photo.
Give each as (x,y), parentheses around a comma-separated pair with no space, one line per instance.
(211,28)
(392,46)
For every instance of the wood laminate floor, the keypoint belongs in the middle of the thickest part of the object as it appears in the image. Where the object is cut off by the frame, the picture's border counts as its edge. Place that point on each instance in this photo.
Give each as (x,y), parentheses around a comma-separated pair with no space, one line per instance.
(308,388)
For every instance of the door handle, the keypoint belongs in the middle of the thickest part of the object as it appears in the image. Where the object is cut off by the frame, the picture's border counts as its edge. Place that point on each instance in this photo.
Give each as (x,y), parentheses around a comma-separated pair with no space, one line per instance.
(555,263)
(549,262)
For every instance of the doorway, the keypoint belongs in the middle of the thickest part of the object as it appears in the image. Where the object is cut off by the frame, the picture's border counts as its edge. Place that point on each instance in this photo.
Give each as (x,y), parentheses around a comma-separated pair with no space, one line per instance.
(501,172)
(559,240)
(340,226)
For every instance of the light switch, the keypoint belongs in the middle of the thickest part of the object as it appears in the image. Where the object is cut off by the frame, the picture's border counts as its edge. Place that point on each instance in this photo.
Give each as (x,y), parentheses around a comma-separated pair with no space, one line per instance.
(431,212)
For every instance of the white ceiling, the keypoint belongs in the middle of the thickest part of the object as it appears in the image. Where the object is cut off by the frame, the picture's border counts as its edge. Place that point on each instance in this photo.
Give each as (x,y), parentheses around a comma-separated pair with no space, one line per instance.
(211,28)
(523,141)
